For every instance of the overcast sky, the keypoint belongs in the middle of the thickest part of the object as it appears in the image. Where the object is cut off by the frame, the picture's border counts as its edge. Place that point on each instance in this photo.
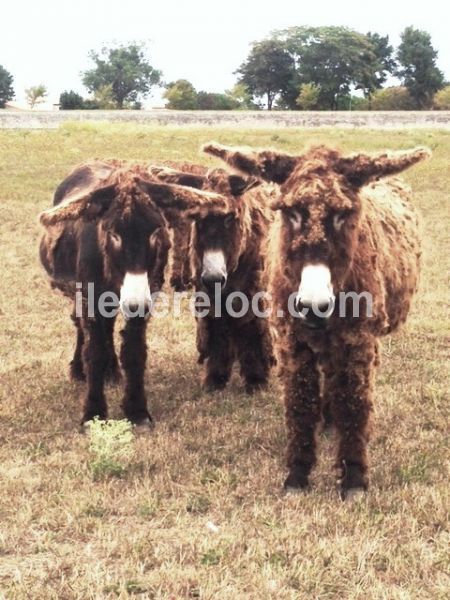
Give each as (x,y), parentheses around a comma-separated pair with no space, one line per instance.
(47,41)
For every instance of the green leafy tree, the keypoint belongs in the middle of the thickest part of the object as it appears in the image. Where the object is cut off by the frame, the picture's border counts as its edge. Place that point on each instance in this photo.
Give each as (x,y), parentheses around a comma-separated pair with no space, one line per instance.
(181,95)
(36,94)
(6,87)
(441,100)
(308,98)
(393,98)
(243,97)
(104,98)
(71,101)
(334,58)
(267,71)
(213,101)
(383,65)
(418,70)
(125,69)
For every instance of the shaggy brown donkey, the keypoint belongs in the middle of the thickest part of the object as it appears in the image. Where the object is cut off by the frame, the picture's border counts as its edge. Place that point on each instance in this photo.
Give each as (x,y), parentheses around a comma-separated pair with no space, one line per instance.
(334,233)
(226,252)
(108,231)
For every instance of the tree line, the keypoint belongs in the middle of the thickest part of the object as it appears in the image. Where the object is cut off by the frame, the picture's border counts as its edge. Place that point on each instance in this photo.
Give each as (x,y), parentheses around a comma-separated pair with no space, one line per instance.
(299,68)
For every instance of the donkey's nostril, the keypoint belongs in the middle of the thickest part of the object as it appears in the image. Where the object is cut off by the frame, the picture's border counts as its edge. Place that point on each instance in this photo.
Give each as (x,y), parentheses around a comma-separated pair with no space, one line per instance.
(312,310)
(210,280)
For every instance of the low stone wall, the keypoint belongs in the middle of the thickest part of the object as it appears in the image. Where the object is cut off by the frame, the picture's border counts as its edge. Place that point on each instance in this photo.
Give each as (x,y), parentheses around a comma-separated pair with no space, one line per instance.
(248,119)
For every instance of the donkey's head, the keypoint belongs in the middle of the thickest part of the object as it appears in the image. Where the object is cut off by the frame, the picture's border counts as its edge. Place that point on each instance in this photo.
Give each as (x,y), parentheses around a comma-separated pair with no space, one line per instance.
(320,208)
(218,237)
(130,210)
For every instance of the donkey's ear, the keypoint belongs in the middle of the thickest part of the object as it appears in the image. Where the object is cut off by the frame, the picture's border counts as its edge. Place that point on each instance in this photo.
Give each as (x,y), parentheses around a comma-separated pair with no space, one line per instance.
(80,203)
(169,175)
(239,185)
(360,169)
(173,199)
(269,165)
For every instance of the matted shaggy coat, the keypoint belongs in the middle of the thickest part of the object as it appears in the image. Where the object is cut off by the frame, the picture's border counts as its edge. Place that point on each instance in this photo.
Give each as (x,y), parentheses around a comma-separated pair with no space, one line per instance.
(338,229)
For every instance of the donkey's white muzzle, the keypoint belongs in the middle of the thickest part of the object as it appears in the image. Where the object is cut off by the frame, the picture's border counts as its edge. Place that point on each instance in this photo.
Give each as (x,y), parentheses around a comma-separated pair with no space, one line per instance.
(135,296)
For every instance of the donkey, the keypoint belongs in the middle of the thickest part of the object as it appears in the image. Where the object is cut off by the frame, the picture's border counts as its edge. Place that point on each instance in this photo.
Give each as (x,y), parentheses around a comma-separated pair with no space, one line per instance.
(334,233)
(107,232)
(227,256)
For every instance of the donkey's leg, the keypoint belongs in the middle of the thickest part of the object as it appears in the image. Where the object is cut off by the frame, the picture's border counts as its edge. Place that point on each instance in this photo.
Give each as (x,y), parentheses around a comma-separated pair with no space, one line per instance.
(95,358)
(327,392)
(215,345)
(254,353)
(133,357)
(76,370)
(351,408)
(181,275)
(302,400)
(112,369)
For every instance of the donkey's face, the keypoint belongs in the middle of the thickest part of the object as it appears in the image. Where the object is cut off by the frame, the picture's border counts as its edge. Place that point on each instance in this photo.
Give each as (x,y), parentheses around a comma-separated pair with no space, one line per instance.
(320,212)
(130,210)
(134,241)
(217,237)
(320,209)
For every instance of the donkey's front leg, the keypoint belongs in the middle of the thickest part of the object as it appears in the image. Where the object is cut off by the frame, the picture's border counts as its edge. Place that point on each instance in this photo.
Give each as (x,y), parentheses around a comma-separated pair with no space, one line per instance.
(95,361)
(215,345)
(351,408)
(133,357)
(302,401)
(76,369)
(254,352)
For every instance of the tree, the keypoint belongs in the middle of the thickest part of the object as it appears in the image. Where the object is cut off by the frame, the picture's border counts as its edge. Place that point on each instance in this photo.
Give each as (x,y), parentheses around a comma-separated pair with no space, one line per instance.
(126,69)
(267,70)
(181,95)
(418,69)
(441,100)
(36,94)
(213,101)
(334,58)
(308,98)
(6,87)
(71,101)
(242,96)
(383,65)
(392,98)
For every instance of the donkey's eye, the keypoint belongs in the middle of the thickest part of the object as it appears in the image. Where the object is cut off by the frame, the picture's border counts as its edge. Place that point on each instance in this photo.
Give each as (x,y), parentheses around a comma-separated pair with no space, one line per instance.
(296,219)
(115,238)
(229,219)
(338,221)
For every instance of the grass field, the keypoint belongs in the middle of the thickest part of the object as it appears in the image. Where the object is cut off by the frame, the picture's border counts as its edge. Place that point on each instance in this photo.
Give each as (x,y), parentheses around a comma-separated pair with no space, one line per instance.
(198,510)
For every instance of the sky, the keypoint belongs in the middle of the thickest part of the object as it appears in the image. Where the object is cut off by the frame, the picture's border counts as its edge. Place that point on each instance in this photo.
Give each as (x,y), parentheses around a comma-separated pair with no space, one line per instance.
(48,41)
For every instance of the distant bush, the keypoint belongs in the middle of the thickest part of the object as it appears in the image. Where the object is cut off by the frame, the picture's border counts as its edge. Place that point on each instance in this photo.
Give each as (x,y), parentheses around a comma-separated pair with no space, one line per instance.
(393,98)
(70,101)
(441,100)
(212,101)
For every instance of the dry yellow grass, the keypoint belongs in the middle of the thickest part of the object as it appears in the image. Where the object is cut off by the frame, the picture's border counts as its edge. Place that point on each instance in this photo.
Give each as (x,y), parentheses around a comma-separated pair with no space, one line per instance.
(199,511)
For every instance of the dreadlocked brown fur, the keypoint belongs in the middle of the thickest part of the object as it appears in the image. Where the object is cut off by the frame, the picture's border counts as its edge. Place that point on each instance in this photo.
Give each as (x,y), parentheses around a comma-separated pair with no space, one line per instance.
(109,222)
(241,235)
(368,238)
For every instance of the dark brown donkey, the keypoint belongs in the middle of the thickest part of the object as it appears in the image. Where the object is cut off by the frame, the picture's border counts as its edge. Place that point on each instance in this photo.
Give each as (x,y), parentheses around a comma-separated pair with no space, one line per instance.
(227,256)
(334,234)
(107,233)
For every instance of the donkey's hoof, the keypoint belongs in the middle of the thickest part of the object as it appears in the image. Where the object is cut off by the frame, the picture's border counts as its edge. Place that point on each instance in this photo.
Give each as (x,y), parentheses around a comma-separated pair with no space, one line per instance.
(353,494)
(143,426)
(252,387)
(215,384)
(296,483)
